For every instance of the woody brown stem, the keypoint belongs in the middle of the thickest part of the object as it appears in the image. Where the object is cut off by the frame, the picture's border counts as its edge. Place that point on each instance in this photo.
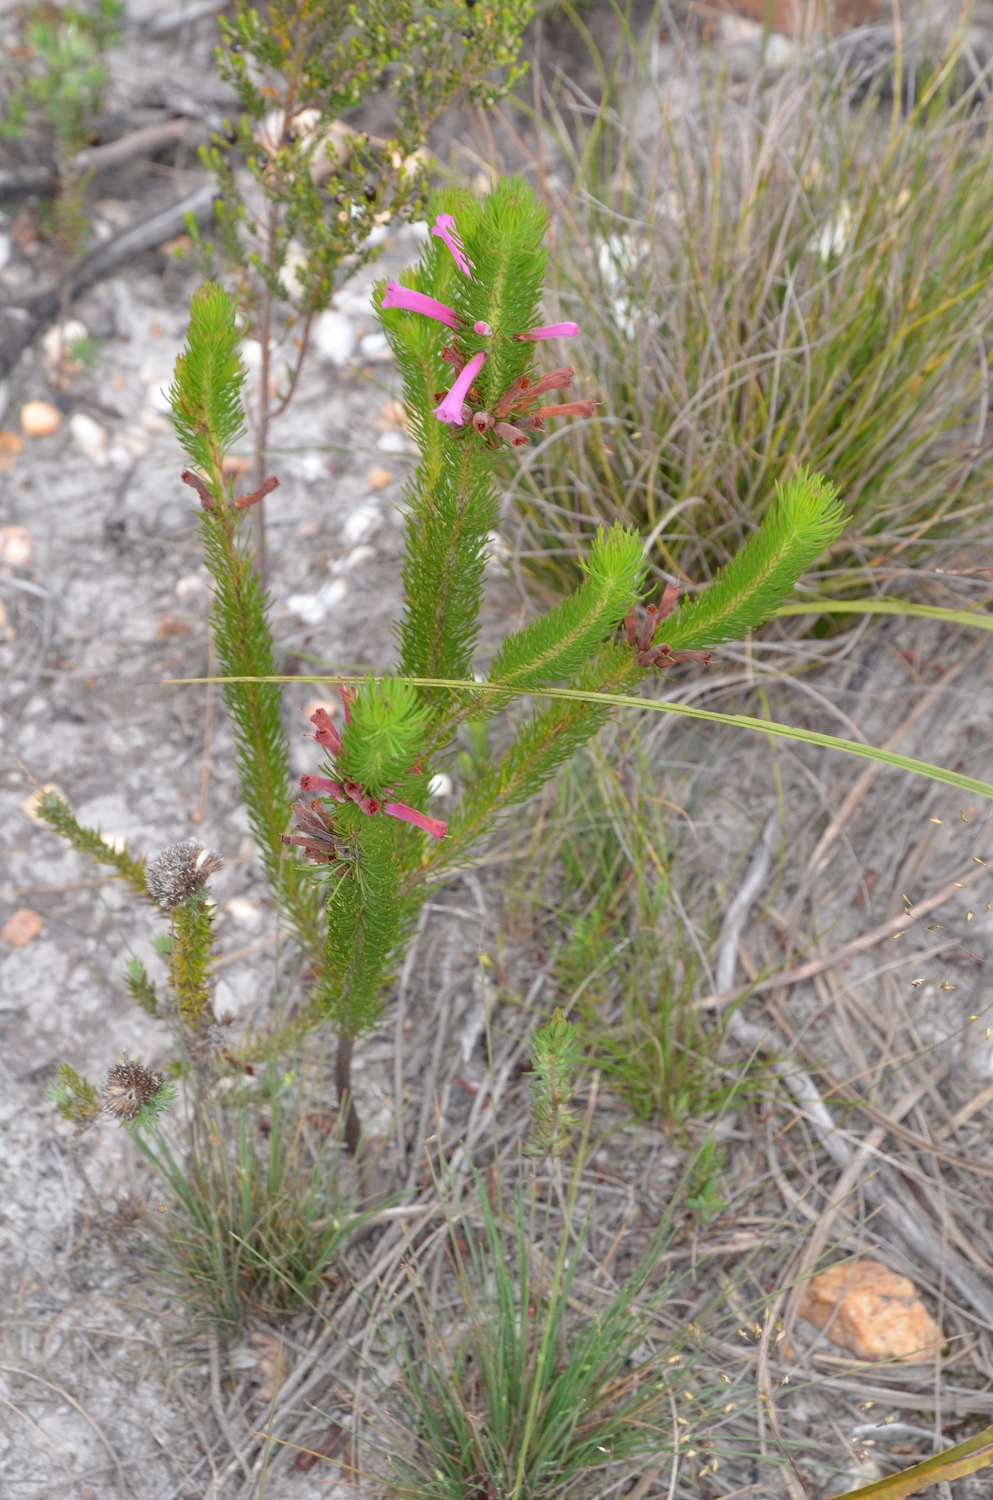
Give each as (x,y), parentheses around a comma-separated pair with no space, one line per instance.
(346,1100)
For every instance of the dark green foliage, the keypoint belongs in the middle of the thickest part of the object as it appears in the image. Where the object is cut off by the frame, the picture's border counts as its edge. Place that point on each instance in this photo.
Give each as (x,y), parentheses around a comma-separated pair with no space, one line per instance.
(556,1053)
(189,961)
(255,1214)
(206,393)
(444,557)
(74,1097)
(703,1198)
(805,517)
(544,742)
(140,987)
(60,71)
(207,410)
(363,922)
(384,737)
(327,186)
(528,1397)
(560,643)
(58,815)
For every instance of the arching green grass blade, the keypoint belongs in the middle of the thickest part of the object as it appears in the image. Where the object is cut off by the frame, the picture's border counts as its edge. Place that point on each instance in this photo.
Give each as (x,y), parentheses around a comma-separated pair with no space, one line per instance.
(967,1458)
(653,705)
(888,607)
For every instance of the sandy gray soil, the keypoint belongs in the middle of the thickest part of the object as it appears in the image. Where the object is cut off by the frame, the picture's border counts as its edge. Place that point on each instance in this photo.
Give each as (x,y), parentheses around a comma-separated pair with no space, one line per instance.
(103,1388)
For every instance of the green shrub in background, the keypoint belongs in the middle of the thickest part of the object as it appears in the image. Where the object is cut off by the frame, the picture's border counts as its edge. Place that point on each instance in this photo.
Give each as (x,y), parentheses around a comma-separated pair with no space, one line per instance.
(790,280)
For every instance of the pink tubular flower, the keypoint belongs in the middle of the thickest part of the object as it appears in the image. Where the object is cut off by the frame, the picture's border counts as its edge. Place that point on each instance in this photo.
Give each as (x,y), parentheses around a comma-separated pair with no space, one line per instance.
(434,826)
(450,410)
(326,734)
(444,229)
(350,791)
(410,301)
(324,785)
(552,331)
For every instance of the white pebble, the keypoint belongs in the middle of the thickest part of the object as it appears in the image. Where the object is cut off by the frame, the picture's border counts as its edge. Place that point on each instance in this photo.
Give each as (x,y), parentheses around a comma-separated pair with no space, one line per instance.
(361,523)
(440,785)
(334,337)
(375,346)
(90,438)
(357,556)
(158,397)
(394,441)
(313,608)
(5,249)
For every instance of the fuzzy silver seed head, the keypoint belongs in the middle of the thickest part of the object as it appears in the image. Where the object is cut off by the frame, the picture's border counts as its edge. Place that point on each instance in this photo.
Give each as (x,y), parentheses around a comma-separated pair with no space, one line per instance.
(128,1087)
(178,871)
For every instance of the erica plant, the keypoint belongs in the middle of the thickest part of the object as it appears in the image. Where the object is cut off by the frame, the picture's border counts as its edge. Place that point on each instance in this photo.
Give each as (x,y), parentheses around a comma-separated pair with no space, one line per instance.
(350,858)
(466,330)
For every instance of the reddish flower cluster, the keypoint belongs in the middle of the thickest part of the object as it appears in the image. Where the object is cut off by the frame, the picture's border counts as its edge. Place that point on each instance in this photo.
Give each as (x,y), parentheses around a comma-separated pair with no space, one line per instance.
(642,638)
(315,830)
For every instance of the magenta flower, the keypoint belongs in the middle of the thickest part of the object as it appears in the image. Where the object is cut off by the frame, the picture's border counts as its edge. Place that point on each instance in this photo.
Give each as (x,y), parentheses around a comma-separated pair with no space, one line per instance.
(444,229)
(434,826)
(350,791)
(410,301)
(450,410)
(552,331)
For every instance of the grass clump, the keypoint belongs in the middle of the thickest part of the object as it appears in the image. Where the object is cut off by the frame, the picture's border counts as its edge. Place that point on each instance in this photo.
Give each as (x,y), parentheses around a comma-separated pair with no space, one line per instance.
(626,968)
(764,283)
(259,1202)
(508,1389)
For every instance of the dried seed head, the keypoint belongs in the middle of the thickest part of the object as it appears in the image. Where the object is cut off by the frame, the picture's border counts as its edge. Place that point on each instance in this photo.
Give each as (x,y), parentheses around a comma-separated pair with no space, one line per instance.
(178,871)
(128,1088)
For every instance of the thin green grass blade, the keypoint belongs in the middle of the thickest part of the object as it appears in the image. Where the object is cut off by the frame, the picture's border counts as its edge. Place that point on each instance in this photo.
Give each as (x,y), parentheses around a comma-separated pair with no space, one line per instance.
(887,607)
(653,705)
(967,1458)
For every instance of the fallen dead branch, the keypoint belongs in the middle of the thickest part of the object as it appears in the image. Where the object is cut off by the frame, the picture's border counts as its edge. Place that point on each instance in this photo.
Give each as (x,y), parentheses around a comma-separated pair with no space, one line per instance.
(725,997)
(20,325)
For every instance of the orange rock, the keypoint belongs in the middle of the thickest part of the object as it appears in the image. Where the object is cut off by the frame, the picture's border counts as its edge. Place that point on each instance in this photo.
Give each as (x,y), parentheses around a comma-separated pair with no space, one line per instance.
(378,478)
(168,625)
(19,929)
(879,1314)
(40,418)
(16,546)
(11,444)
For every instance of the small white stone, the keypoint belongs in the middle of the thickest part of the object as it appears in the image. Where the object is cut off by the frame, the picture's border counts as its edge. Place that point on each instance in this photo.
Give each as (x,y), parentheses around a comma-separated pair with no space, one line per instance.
(4,398)
(312,608)
(90,438)
(377,236)
(394,441)
(158,397)
(375,347)
(58,339)
(119,457)
(134,440)
(244,910)
(440,785)
(154,421)
(357,556)
(334,337)
(5,250)
(296,260)
(361,523)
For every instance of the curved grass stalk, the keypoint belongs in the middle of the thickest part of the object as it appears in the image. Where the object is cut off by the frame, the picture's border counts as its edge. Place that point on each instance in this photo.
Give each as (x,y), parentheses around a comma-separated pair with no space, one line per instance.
(966,1458)
(653,705)
(887,607)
